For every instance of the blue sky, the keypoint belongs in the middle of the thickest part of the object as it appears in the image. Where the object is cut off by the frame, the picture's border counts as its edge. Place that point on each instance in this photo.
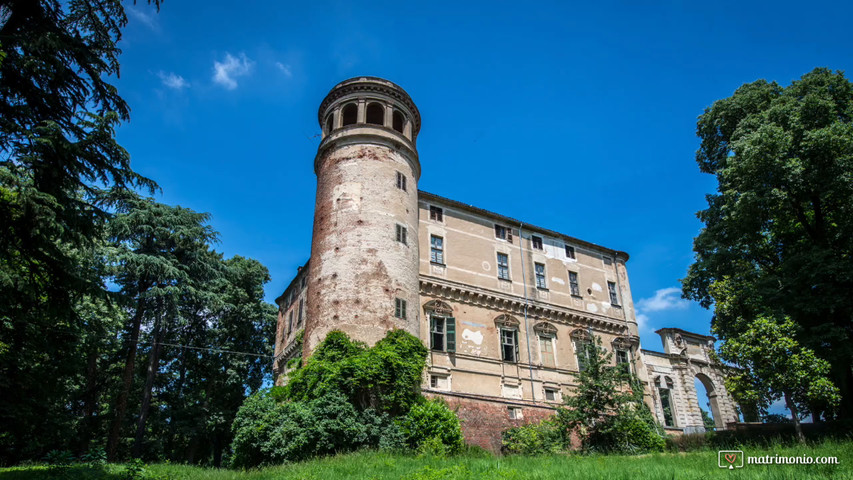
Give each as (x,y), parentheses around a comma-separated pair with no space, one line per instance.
(577,118)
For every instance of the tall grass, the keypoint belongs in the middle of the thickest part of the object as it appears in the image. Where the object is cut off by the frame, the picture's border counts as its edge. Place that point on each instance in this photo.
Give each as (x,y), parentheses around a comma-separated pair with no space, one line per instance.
(376,465)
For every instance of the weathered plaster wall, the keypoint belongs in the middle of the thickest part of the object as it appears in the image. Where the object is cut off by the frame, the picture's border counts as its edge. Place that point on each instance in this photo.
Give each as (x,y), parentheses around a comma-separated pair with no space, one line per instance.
(358,267)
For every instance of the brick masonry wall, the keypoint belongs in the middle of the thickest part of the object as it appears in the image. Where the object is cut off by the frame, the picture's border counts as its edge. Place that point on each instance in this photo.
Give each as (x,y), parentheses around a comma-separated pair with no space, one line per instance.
(483,420)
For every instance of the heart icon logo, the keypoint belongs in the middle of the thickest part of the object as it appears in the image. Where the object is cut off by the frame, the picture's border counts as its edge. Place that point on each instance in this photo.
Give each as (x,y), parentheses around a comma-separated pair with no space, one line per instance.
(731,457)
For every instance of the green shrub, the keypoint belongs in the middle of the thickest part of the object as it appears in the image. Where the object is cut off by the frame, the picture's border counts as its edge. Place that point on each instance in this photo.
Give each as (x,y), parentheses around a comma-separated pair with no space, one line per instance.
(267,431)
(346,396)
(533,439)
(431,423)
(631,430)
(385,377)
(95,456)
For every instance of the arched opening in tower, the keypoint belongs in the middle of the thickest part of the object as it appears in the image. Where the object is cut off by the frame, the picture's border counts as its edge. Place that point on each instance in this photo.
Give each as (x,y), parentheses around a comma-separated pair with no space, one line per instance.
(350,114)
(375,114)
(397,121)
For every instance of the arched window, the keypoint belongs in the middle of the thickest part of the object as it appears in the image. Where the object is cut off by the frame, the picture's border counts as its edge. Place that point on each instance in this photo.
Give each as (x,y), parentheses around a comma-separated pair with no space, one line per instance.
(508,335)
(397,121)
(350,114)
(442,326)
(583,344)
(330,122)
(375,114)
(547,335)
(665,386)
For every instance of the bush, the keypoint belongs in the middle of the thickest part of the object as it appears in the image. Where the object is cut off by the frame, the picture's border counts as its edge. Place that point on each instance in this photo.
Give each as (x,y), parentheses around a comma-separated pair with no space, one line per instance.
(533,439)
(429,424)
(267,431)
(385,377)
(631,430)
(347,396)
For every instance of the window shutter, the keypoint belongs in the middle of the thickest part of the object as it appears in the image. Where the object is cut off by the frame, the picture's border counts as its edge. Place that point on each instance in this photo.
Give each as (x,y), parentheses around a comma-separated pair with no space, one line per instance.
(450,328)
(509,234)
(431,329)
(515,334)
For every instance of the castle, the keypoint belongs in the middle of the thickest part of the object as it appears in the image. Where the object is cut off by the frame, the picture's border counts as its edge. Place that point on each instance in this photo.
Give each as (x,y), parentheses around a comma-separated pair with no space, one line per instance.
(503,306)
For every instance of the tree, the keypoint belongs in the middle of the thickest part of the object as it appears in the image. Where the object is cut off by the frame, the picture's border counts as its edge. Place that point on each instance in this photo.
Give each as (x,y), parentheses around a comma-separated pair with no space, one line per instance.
(778,234)
(161,261)
(60,172)
(773,365)
(607,410)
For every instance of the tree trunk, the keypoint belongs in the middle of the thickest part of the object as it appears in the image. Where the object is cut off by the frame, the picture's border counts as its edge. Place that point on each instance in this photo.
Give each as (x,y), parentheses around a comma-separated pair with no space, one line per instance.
(795,415)
(153,367)
(90,399)
(127,379)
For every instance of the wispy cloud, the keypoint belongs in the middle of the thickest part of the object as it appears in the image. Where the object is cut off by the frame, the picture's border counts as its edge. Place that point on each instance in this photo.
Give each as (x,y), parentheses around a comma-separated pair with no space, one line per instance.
(285,69)
(664,299)
(226,71)
(173,81)
(145,18)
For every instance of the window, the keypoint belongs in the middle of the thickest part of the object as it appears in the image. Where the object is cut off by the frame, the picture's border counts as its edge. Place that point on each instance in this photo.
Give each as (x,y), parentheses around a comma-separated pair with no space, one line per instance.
(570,251)
(515,413)
(397,121)
(436,213)
(350,114)
(442,333)
(666,406)
(537,242)
(503,233)
(436,249)
(401,234)
(607,260)
(401,181)
(582,350)
(573,284)
(439,382)
(375,114)
(503,266)
(330,121)
(509,345)
(552,395)
(301,307)
(546,350)
(665,386)
(623,360)
(290,322)
(540,275)
(611,287)
(400,308)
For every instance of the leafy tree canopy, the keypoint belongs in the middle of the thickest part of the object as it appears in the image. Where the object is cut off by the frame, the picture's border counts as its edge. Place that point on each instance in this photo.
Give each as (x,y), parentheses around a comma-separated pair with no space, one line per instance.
(778,234)
(773,366)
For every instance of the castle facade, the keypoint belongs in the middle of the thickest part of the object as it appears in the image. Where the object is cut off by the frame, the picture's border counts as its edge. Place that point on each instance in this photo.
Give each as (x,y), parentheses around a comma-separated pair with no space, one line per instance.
(503,306)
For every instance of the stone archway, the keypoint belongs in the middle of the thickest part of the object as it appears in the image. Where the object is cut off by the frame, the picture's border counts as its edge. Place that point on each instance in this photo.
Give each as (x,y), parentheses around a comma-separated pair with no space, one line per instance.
(711,391)
(688,356)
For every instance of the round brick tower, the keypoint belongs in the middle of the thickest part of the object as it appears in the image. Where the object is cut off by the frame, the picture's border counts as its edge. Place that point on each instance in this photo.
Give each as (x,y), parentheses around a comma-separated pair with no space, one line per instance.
(363,273)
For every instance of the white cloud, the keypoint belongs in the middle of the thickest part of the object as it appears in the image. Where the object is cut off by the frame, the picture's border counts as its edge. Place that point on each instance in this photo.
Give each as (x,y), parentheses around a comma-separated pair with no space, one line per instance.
(285,69)
(173,81)
(664,299)
(147,19)
(225,72)
(642,321)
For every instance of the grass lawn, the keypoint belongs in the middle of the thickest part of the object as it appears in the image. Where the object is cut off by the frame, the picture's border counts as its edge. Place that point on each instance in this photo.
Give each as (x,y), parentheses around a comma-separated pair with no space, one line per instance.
(373,465)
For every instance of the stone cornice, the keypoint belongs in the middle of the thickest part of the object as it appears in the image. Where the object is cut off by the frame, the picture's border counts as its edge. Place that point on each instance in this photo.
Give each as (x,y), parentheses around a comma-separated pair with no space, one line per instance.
(460,293)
